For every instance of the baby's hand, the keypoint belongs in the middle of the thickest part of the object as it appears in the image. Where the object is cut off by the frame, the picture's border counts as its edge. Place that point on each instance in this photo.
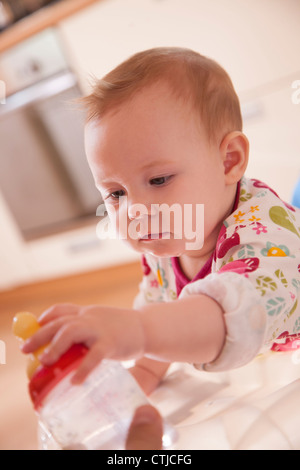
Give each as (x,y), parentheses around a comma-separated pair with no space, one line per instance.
(108,332)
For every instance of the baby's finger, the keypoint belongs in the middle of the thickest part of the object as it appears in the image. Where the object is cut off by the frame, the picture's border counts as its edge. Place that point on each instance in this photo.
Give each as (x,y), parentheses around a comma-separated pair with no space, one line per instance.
(44,335)
(57,311)
(95,355)
(73,332)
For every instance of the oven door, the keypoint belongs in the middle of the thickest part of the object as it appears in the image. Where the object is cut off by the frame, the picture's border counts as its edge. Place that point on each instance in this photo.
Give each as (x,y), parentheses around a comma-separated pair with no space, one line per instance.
(48,199)
(44,178)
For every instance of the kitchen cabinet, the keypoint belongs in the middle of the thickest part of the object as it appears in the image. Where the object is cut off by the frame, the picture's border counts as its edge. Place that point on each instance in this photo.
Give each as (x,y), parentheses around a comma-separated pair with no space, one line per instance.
(59,255)
(14,265)
(39,20)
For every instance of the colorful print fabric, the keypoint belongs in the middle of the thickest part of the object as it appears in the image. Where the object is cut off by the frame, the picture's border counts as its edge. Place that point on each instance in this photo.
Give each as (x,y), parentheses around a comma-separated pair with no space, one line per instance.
(254,274)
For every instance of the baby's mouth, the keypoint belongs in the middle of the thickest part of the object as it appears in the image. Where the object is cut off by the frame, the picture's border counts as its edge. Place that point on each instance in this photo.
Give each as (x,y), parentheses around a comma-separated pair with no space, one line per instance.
(156,236)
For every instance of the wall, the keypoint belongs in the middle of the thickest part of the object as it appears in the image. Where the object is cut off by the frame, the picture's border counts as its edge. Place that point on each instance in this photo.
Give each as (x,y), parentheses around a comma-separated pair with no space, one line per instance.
(258,43)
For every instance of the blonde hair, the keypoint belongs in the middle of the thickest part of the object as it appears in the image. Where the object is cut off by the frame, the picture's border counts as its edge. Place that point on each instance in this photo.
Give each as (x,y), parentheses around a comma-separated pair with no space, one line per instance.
(191,76)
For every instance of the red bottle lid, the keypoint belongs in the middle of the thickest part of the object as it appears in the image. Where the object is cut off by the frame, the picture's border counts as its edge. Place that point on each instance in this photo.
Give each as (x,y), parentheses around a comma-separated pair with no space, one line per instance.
(45,378)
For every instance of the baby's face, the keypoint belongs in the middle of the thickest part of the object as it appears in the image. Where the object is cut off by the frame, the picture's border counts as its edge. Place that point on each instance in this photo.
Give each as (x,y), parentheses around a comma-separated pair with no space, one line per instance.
(153,151)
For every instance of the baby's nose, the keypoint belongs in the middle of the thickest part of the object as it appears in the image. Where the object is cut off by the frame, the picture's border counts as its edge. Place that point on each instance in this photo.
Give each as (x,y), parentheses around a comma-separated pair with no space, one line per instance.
(140,210)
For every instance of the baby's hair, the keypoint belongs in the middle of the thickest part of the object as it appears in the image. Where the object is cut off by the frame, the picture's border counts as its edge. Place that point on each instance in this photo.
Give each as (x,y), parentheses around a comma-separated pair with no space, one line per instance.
(196,79)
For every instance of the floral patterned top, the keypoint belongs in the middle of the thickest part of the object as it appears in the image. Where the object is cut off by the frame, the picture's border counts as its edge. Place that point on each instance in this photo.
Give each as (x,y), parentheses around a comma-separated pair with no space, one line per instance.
(254,274)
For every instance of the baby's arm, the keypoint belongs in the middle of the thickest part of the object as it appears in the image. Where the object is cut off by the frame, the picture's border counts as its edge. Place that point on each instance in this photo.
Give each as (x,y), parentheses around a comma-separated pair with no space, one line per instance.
(191,330)
(161,319)
(186,330)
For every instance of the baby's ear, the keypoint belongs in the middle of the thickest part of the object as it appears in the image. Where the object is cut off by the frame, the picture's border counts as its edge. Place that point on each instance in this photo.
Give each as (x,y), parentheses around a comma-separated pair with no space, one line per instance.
(234,150)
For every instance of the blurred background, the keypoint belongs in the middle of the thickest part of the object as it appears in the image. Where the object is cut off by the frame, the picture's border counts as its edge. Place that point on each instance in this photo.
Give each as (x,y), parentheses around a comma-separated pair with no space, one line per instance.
(49,52)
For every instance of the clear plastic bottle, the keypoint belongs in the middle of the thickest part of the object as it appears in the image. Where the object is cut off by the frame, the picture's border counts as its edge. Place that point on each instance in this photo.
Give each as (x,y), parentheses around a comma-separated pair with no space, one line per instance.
(93,415)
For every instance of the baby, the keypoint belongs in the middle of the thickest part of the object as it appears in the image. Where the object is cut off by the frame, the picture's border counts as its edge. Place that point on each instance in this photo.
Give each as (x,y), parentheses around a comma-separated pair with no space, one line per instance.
(165,128)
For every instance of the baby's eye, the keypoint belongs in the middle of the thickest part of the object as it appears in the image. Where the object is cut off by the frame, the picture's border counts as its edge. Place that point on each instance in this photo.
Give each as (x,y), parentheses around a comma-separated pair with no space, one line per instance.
(117,194)
(159,181)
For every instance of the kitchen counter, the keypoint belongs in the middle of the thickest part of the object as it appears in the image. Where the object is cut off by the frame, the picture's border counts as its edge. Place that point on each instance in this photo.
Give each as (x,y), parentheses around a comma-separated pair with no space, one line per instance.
(43,18)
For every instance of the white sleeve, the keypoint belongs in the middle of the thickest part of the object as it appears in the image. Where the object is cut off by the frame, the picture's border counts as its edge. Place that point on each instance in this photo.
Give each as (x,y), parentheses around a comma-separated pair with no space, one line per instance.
(255,279)
(244,315)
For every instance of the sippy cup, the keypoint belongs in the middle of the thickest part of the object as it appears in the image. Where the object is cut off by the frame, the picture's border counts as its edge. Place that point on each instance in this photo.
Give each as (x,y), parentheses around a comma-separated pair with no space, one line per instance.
(91,416)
